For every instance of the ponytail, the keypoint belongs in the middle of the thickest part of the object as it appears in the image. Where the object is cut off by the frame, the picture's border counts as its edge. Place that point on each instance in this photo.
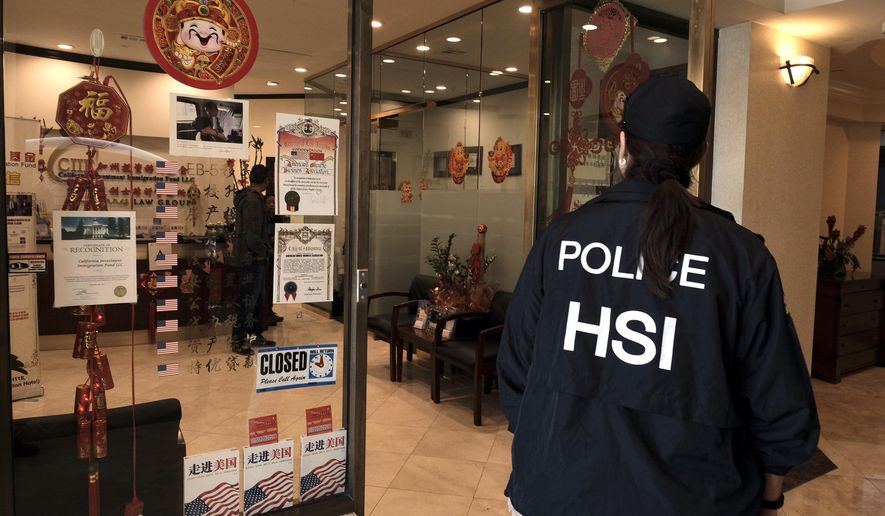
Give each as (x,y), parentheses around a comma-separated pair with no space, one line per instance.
(668,220)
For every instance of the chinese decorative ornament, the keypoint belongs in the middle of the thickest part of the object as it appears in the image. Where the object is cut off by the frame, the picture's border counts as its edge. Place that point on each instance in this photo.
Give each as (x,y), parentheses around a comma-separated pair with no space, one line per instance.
(459,162)
(405,189)
(613,26)
(193,197)
(580,87)
(207,44)
(422,187)
(501,160)
(92,113)
(617,84)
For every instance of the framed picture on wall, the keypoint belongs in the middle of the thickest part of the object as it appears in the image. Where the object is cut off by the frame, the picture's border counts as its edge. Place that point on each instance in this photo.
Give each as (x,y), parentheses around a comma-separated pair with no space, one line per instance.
(208,127)
(517,160)
(441,162)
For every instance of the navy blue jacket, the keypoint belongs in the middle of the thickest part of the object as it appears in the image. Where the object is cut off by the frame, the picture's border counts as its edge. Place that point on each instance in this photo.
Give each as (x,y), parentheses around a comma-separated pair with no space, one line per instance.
(622,403)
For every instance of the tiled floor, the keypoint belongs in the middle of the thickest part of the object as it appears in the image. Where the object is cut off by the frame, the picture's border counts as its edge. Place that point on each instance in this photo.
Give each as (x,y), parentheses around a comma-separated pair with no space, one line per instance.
(429,459)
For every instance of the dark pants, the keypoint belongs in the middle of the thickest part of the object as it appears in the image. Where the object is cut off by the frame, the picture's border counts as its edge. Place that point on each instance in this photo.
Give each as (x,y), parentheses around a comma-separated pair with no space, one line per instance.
(249,308)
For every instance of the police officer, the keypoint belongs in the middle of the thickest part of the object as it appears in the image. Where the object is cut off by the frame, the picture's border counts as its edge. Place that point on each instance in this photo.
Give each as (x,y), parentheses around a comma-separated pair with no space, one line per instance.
(648,364)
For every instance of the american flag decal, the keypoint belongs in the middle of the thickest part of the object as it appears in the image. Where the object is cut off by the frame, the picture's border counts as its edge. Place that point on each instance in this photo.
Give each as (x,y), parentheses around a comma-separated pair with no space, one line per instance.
(166,260)
(167,325)
(166,188)
(168,370)
(166,168)
(221,500)
(167,348)
(167,237)
(271,494)
(324,480)
(167,305)
(167,212)
(167,281)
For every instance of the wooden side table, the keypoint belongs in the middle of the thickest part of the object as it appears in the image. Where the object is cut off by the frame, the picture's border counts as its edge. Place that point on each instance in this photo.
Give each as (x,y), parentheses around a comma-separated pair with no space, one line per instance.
(848,326)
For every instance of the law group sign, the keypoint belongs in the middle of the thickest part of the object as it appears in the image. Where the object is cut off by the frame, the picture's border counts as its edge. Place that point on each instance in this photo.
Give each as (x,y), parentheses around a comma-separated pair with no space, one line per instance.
(296,366)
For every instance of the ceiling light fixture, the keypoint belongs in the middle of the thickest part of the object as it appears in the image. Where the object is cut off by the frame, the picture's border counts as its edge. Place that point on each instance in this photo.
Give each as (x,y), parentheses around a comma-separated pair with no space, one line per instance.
(476,101)
(337,109)
(301,69)
(342,103)
(422,48)
(589,27)
(546,114)
(547,81)
(659,40)
(376,24)
(441,87)
(429,91)
(453,39)
(273,83)
(388,61)
(65,46)
(406,91)
(526,9)
(511,69)
(496,72)
(308,88)
(341,75)
(342,114)
(796,70)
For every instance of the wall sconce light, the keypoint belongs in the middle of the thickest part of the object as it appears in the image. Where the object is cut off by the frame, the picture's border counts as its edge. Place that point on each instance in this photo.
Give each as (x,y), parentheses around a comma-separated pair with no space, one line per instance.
(796,70)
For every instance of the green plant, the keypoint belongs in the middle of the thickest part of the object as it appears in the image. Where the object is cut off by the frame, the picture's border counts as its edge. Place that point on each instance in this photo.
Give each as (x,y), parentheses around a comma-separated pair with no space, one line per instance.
(257,144)
(449,268)
(834,252)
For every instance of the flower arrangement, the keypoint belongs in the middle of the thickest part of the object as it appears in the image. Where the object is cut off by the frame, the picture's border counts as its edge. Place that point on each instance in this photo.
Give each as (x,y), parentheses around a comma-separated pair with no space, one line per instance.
(457,282)
(834,252)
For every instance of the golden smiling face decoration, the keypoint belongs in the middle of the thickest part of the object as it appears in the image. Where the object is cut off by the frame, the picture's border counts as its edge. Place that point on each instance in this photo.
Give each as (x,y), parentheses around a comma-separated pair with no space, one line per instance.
(501,160)
(459,162)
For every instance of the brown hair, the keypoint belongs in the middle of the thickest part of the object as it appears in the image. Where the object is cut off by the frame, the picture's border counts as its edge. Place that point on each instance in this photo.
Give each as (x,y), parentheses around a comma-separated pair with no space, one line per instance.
(668,220)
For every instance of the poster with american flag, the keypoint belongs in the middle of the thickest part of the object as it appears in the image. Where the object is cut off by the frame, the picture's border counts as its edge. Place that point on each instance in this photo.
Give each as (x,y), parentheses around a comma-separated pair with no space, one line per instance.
(212,484)
(167,168)
(268,477)
(323,464)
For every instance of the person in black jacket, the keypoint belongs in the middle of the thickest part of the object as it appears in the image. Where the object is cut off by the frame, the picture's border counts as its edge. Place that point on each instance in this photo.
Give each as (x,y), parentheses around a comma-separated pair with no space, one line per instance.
(648,363)
(250,254)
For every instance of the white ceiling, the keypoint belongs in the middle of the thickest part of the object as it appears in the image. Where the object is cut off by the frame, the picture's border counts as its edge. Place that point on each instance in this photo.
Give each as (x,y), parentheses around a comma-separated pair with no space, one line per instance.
(313,33)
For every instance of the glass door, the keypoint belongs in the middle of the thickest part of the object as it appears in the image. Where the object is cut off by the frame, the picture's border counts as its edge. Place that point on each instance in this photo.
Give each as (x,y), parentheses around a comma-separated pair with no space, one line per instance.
(185,322)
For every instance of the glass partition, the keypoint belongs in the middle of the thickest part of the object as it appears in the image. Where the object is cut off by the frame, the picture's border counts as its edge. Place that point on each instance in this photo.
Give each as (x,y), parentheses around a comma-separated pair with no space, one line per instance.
(177,214)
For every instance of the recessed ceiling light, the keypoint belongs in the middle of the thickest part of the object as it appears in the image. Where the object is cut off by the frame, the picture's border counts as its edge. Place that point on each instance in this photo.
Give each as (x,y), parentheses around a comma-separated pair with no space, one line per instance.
(342,114)
(301,69)
(341,75)
(406,91)
(496,72)
(453,39)
(337,109)
(388,61)
(546,114)
(511,69)
(589,26)
(65,46)
(477,101)
(422,48)
(273,83)
(342,102)
(441,87)
(429,91)
(526,9)
(659,40)
(376,24)
(547,81)
(652,38)
(308,88)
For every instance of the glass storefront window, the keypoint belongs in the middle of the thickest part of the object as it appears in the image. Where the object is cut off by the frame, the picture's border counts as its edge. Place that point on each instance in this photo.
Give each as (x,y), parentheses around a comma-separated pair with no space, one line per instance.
(190,285)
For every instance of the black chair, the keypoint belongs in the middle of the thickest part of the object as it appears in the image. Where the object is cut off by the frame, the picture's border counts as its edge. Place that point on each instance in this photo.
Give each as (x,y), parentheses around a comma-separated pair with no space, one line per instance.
(50,479)
(384,325)
(477,354)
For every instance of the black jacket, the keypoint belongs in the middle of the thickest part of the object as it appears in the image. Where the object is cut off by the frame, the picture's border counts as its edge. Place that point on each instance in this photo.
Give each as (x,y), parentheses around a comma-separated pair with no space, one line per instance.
(249,238)
(684,404)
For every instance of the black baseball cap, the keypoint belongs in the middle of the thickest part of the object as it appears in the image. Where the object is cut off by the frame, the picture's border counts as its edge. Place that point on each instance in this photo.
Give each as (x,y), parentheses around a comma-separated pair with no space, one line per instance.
(667,109)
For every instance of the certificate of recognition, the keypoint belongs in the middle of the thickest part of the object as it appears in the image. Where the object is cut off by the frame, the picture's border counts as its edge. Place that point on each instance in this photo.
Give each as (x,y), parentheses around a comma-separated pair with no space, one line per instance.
(94,257)
(307,161)
(303,267)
